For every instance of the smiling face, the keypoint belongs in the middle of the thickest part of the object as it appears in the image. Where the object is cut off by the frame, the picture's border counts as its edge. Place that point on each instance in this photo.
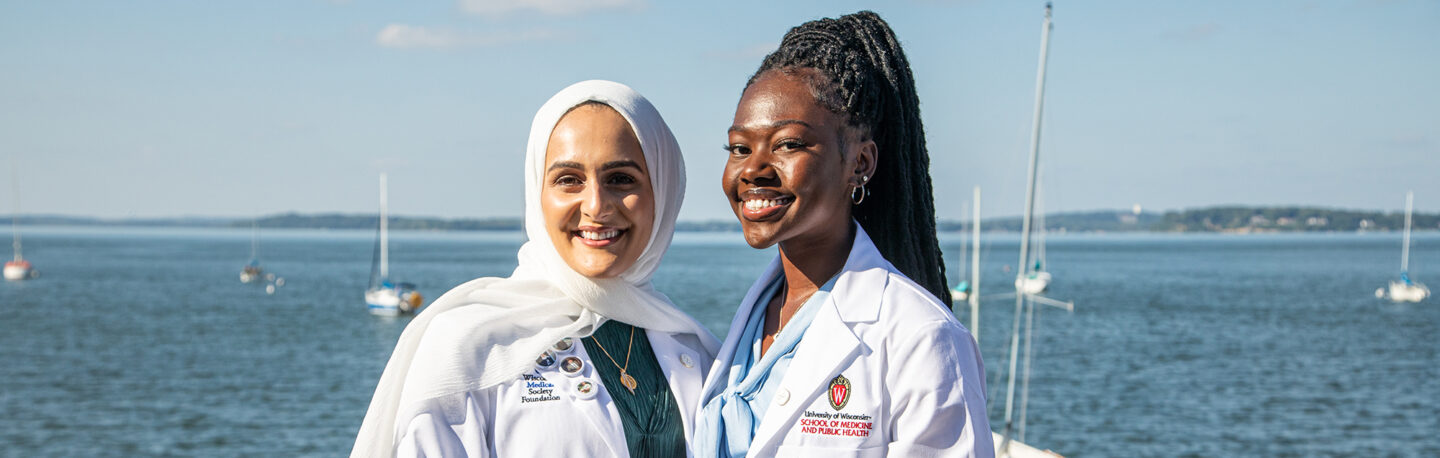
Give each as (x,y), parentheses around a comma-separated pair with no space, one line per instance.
(792,163)
(597,199)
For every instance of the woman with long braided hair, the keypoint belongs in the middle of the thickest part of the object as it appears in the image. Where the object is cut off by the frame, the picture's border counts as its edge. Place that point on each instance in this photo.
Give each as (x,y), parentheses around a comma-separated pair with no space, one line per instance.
(846,344)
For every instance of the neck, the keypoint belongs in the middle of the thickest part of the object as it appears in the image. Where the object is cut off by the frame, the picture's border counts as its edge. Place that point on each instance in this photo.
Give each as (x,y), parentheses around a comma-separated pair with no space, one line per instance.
(810,262)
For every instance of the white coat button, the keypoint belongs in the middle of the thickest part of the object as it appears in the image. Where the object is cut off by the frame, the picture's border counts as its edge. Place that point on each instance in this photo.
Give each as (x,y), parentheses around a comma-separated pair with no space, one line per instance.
(782,396)
(687,360)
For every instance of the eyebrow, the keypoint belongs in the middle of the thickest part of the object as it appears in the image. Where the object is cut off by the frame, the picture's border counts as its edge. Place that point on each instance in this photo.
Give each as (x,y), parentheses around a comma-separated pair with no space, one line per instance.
(565,165)
(773,125)
(619,164)
(603,167)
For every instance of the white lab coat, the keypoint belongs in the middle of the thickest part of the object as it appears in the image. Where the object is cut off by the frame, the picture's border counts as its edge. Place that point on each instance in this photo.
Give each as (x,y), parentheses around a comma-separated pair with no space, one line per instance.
(542,414)
(916,382)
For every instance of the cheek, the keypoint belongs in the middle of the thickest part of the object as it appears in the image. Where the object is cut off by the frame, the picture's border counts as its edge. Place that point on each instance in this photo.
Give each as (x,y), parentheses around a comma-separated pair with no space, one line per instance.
(728,175)
(640,211)
(557,208)
(819,180)
(727,182)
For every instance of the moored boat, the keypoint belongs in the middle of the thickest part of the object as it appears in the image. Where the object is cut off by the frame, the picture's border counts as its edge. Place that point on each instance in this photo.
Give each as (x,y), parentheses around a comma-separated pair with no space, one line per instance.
(384,297)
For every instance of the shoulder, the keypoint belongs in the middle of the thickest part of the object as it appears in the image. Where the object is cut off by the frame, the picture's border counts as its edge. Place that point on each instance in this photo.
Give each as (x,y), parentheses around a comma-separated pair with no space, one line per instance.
(911,321)
(908,306)
(449,328)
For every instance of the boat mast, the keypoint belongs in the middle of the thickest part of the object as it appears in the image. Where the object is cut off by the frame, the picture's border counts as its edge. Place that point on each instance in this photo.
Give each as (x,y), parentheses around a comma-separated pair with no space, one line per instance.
(255,239)
(975,269)
(1405,251)
(15,216)
(384,232)
(1040,262)
(1025,224)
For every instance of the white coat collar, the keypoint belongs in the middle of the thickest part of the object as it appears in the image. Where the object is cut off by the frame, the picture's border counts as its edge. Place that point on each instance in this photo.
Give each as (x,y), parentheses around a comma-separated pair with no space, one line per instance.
(856,298)
(862,281)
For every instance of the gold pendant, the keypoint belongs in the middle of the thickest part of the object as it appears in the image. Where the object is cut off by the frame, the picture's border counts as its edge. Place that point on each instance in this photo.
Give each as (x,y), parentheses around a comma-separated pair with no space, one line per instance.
(628,381)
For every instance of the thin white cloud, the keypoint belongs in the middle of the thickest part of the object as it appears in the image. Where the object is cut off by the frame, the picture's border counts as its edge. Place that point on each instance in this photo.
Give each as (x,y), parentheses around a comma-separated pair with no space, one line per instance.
(496,7)
(414,36)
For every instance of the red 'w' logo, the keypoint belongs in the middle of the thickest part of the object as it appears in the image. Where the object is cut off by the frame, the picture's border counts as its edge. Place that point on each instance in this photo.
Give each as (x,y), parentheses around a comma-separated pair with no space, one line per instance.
(839,392)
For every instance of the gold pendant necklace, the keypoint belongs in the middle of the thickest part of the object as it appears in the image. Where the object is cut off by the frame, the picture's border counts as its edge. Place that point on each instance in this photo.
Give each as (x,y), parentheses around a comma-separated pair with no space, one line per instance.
(625,378)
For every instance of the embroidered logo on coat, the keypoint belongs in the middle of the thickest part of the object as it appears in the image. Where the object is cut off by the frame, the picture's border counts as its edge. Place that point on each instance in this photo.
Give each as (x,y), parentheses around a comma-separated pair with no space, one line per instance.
(839,392)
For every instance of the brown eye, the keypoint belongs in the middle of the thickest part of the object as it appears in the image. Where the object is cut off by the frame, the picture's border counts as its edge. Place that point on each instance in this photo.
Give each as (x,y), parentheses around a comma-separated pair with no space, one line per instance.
(790,144)
(568,181)
(736,149)
(621,179)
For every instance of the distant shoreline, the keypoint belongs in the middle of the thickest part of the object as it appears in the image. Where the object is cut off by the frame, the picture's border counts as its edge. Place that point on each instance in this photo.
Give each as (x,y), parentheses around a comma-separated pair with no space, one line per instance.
(1228,219)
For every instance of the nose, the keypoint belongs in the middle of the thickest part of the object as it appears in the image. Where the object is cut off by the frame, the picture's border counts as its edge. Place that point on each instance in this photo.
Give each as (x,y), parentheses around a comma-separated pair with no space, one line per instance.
(758,169)
(596,203)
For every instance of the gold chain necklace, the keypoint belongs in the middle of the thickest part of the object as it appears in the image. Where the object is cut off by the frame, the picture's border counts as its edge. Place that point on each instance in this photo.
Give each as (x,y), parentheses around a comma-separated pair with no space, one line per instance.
(625,378)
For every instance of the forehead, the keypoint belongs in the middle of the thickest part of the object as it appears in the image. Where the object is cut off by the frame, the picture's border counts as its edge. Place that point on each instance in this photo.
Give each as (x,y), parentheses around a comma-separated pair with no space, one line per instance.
(776,97)
(595,131)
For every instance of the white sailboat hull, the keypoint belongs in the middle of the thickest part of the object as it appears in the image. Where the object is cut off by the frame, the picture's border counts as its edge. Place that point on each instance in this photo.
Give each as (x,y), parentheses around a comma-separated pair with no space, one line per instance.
(1400,291)
(247,276)
(383,302)
(1034,283)
(15,271)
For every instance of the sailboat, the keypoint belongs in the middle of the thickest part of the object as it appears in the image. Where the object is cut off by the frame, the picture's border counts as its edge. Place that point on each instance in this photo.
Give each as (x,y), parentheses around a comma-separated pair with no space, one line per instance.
(252,272)
(1405,289)
(18,268)
(1006,442)
(964,290)
(386,298)
(970,292)
(1036,280)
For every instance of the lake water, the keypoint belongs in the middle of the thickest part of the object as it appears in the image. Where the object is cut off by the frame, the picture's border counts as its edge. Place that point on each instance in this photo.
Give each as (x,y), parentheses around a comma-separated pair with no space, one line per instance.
(144,342)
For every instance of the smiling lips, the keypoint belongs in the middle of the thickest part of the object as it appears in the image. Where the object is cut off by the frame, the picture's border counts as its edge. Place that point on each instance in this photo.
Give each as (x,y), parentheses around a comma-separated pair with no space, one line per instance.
(597,237)
(758,205)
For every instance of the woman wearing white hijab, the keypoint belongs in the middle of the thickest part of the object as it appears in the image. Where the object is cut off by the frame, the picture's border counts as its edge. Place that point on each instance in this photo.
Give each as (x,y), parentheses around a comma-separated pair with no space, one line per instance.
(492,368)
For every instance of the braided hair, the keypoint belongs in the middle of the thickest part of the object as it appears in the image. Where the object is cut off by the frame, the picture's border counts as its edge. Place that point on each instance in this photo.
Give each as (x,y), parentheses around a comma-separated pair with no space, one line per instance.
(864,77)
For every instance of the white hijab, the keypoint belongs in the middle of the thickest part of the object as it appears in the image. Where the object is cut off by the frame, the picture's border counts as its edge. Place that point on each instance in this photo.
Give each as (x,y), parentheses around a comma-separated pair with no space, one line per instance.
(490,330)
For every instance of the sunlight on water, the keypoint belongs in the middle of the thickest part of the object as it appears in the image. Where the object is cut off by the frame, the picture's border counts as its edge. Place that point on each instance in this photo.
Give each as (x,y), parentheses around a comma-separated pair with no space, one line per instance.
(143,341)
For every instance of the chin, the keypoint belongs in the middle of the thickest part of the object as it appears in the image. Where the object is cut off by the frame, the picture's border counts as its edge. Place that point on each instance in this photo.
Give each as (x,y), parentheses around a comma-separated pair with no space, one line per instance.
(598,268)
(757,238)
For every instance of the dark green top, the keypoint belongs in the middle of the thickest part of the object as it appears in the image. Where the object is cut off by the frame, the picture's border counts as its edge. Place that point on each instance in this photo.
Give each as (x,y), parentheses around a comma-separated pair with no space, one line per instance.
(652,419)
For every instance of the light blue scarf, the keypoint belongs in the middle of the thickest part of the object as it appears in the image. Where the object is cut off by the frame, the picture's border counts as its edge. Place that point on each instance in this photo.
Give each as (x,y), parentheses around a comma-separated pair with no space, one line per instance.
(728,421)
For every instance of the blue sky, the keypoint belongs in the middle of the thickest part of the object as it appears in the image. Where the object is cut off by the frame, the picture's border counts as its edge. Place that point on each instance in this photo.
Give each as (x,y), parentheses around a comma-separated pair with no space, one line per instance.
(170,108)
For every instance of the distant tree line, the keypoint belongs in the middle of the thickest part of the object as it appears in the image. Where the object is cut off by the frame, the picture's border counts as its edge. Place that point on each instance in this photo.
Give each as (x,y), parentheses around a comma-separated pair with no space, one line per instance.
(343,221)
(1212,219)
(1289,219)
(1092,221)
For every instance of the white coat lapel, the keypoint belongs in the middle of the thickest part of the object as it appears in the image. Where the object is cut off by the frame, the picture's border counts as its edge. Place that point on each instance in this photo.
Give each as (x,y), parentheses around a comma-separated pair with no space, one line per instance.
(828,346)
(600,411)
(684,380)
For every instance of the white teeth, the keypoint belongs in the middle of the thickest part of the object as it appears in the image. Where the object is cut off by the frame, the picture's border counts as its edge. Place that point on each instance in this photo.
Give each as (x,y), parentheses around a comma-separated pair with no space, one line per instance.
(606,235)
(758,204)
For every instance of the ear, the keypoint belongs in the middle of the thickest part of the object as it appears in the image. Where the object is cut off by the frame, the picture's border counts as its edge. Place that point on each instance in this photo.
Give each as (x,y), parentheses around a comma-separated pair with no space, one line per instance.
(864,163)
